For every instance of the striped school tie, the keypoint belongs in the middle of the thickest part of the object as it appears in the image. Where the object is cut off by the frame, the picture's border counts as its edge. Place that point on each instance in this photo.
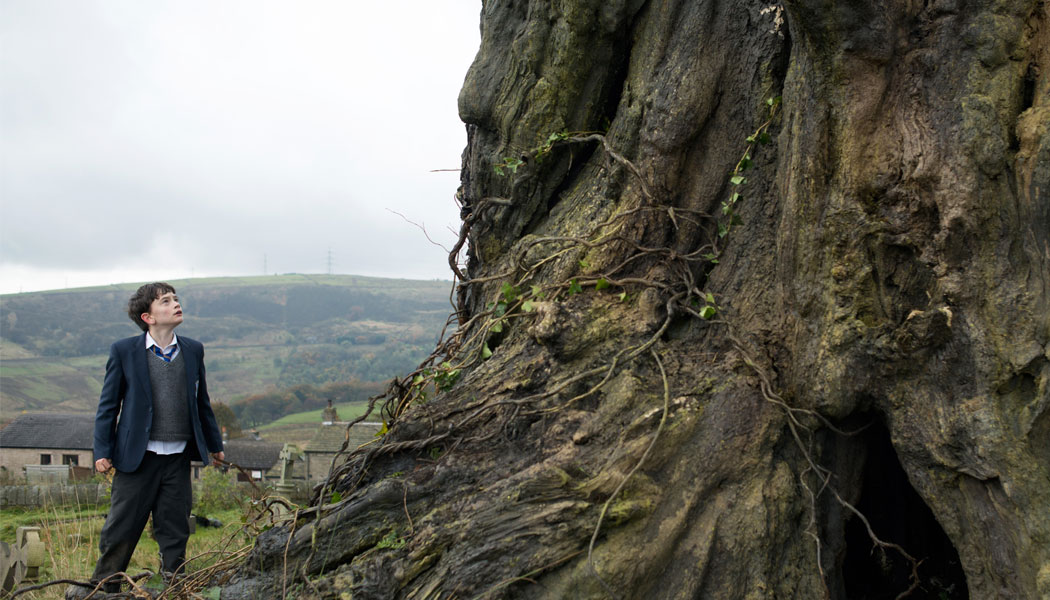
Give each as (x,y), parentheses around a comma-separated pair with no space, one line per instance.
(165,356)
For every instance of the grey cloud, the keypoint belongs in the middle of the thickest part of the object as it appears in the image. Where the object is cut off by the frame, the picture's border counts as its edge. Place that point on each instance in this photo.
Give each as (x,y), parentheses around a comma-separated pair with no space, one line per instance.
(230,130)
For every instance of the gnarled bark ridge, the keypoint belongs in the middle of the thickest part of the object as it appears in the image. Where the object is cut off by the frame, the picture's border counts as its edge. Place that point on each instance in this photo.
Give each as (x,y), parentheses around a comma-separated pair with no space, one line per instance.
(841,393)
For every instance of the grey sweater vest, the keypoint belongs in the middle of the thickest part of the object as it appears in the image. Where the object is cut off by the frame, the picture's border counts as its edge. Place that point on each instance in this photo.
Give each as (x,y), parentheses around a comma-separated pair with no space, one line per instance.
(171,415)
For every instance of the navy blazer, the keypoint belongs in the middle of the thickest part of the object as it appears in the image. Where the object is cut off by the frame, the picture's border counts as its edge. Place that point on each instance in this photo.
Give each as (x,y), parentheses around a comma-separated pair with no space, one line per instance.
(127,393)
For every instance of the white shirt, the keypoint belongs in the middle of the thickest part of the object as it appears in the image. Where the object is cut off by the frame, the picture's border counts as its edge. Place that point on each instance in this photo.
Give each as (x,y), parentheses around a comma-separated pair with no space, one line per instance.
(150,342)
(157,446)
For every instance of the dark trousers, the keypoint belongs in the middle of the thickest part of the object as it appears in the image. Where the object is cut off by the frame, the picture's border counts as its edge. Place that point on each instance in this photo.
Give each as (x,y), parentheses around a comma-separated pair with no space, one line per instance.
(161,486)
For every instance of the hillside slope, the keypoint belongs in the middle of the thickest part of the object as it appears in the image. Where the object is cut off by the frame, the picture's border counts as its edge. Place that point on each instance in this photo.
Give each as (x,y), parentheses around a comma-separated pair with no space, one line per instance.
(260,333)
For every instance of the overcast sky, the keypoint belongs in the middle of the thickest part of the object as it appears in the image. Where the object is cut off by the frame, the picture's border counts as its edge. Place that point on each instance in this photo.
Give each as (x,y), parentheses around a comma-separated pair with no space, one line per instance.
(164,139)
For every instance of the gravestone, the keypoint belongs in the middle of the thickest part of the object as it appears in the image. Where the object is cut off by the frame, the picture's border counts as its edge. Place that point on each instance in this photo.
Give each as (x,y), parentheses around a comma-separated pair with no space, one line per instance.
(22,560)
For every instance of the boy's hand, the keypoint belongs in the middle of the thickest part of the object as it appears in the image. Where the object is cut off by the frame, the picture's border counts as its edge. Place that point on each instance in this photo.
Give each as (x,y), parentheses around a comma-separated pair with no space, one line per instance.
(219,456)
(102,465)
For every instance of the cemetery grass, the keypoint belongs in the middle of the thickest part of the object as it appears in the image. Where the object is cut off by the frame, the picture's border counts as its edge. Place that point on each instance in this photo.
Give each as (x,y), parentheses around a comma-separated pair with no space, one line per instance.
(70,535)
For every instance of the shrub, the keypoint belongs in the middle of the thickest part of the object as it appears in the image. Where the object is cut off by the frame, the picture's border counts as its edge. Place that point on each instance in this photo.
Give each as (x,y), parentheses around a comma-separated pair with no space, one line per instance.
(216,491)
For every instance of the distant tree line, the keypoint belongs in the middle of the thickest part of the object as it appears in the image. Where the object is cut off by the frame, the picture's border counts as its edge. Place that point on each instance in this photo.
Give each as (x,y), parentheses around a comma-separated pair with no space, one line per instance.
(227,420)
(332,363)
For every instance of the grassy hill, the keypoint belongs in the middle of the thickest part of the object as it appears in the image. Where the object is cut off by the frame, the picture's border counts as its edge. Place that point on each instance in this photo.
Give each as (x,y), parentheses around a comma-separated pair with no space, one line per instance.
(260,334)
(348,411)
(299,428)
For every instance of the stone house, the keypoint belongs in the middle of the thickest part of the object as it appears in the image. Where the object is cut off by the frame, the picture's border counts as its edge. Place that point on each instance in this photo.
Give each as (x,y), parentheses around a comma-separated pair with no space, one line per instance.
(329,438)
(257,457)
(42,443)
(47,439)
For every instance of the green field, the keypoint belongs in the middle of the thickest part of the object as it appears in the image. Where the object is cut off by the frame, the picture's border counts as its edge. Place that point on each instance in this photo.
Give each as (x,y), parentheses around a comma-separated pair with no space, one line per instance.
(347,412)
(50,383)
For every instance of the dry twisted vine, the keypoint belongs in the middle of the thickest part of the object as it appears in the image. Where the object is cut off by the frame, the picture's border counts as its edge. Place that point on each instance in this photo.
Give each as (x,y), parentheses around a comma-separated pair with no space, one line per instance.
(462,349)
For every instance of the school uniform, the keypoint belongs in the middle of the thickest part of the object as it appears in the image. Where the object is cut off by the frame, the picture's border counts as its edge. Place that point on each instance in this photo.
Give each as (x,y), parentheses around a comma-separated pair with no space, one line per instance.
(154,417)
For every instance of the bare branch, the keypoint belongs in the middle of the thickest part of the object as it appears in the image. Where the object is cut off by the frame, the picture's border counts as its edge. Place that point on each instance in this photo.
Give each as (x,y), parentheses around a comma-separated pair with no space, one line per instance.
(422,228)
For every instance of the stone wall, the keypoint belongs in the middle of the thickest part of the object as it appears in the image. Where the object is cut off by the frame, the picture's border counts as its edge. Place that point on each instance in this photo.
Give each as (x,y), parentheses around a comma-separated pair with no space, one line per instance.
(53,495)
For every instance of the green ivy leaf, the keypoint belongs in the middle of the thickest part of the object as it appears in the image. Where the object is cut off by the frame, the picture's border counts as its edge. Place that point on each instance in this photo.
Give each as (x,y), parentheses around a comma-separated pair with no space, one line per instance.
(382,430)
(537,292)
(584,264)
(574,287)
(707,312)
(601,284)
(485,352)
(497,327)
(737,179)
(764,138)
(710,298)
(734,198)
(722,230)
(527,306)
(336,497)
(623,296)
(509,163)
(501,309)
(447,378)
(509,292)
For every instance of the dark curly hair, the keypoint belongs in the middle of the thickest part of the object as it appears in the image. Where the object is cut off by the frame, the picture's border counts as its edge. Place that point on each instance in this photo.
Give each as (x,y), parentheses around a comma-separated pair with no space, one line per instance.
(143,298)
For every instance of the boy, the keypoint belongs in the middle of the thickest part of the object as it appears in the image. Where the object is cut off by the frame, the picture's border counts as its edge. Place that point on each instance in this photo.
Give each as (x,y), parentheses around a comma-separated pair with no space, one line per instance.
(155,384)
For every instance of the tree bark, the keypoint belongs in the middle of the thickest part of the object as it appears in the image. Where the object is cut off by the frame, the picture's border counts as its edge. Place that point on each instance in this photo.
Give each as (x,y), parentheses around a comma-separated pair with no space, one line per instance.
(866,413)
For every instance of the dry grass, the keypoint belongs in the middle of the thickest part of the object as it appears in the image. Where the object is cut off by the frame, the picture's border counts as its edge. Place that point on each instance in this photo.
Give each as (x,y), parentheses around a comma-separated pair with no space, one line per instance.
(72,545)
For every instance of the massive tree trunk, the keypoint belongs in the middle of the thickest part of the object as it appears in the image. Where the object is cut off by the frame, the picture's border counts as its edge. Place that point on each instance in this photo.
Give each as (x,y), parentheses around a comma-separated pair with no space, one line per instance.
(834,384)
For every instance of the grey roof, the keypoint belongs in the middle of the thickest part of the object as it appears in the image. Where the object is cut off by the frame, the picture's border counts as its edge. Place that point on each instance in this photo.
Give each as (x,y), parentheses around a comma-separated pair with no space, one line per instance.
(74,431)
(252,454)
(329,438)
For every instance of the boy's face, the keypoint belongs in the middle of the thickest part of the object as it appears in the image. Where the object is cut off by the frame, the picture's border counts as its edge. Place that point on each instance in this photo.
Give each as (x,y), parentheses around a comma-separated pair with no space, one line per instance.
(164,311)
